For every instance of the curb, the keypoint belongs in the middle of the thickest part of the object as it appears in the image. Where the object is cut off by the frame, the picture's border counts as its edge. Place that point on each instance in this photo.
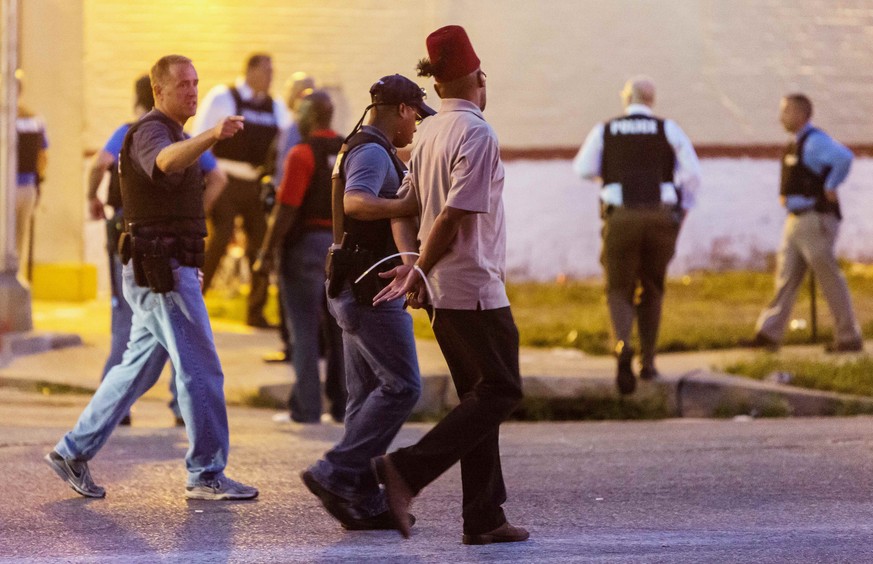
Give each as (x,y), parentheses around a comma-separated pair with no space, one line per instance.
(700,393)
(33,342)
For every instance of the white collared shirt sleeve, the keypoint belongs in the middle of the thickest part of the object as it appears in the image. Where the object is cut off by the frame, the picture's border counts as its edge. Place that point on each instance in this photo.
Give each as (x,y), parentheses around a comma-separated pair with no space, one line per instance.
(283,116)
(687,173)
(217,105)
(588,159)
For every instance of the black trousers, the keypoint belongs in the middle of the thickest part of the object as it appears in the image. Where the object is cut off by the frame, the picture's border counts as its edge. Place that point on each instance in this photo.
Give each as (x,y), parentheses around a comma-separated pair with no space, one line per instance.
(239,198)
(481,350)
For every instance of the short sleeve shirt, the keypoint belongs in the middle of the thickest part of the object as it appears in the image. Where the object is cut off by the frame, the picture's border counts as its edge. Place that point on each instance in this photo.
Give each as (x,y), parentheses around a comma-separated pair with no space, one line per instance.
(115,142)
(149,139)
(457,163)
(299,168)
(370,168)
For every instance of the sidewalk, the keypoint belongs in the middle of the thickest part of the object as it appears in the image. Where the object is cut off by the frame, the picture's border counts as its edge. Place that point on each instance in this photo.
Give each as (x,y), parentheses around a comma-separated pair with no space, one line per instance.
(71,341)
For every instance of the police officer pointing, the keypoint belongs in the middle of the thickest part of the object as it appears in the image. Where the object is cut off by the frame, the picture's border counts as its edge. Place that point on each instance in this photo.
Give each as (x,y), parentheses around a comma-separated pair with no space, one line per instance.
(649,173)
(162,195)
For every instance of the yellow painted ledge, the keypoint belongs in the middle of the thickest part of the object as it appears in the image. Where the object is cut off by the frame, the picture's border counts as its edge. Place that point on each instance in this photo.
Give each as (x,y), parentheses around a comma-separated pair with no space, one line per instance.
(64,281)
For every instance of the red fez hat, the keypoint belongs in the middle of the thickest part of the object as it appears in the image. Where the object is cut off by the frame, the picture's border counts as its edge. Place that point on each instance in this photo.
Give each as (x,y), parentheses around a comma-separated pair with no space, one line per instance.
(451,53)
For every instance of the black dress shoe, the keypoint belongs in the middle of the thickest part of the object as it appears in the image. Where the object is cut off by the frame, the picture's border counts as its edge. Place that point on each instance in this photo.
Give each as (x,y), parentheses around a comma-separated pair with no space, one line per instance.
(503,533)
(381,522)
(337,506)
(649,373)
(624,377)
(849,346)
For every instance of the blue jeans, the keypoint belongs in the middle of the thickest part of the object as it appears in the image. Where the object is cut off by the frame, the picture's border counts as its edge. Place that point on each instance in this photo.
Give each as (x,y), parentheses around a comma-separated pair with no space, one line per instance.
(384,384)
(301,281)
(174,323)
(122,316)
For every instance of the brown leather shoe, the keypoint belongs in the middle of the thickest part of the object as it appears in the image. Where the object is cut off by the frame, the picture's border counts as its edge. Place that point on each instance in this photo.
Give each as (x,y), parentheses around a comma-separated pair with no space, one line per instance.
(503,533)
(397,492)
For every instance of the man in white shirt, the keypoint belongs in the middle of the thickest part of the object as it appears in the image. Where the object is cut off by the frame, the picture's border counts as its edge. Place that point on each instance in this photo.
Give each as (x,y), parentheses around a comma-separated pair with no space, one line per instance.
(244,159)
(650,175)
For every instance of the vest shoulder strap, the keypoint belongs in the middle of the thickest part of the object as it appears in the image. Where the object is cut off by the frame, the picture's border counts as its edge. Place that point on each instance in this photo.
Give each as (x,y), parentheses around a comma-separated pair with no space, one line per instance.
(362,138)
(237,99)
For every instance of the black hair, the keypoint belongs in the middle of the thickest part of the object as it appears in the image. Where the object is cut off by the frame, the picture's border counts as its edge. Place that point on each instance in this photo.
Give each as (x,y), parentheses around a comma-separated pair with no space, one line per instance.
(802,101)
(143,91)
(316,111)
(255,59)
(426,68)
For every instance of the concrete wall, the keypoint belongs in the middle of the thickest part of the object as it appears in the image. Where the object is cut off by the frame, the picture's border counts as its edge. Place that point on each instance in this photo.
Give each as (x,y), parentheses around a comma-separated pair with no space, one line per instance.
(554,66)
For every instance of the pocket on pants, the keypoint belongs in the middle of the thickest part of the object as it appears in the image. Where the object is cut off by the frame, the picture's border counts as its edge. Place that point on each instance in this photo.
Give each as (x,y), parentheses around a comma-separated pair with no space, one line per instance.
(344,309)
(138,297)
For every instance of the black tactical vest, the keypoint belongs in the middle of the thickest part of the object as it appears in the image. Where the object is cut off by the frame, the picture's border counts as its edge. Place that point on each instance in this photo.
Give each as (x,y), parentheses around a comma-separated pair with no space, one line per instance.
(113,195)
(374,236)
(252,144)
(178,207)
(317,202)
(28,151)
(637,155)
(798,180)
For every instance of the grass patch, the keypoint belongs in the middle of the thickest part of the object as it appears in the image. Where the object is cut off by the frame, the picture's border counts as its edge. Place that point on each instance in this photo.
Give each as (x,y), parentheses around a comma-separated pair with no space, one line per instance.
(730,410)
(590,408)
(44,388)
(849,376)
(702,311)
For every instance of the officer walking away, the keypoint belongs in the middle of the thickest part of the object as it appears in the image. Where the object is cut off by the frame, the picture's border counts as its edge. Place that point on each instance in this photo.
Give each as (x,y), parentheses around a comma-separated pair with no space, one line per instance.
(162,251)
(457,178)
(106,160)
(813,166)
(650,175)
(244,158)
(300,230)
(381,363)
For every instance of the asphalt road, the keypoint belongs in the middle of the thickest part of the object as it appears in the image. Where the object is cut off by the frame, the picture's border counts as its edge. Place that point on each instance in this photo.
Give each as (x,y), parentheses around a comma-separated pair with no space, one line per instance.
(783,490)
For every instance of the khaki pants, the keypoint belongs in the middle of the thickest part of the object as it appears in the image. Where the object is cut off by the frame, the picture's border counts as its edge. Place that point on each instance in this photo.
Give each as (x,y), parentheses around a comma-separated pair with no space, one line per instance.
(25,202)
(638,245)
(808,242)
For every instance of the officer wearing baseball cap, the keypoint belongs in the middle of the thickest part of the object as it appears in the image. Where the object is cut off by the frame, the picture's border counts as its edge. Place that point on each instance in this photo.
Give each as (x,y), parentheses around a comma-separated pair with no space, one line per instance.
(381,364)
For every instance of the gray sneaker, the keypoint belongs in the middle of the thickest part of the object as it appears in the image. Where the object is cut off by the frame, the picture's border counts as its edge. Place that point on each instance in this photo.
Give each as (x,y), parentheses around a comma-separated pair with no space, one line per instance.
(220,488)
(75,473)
